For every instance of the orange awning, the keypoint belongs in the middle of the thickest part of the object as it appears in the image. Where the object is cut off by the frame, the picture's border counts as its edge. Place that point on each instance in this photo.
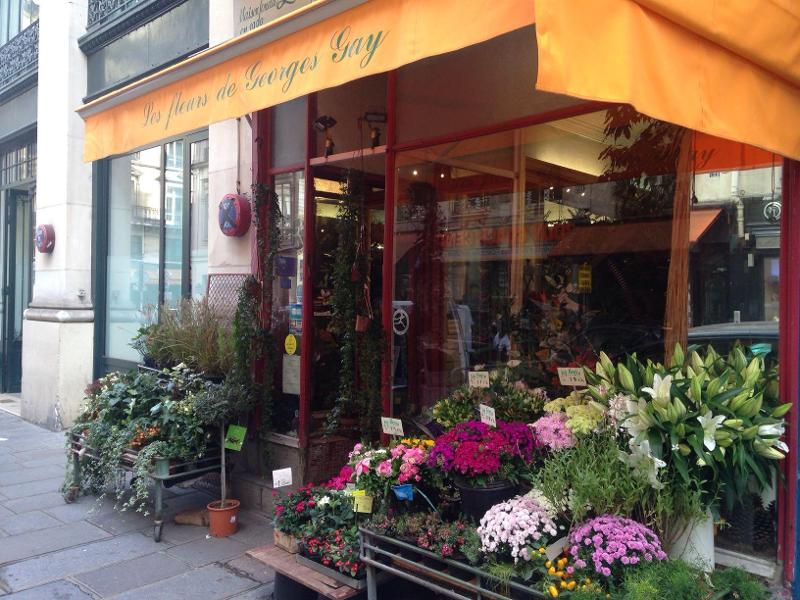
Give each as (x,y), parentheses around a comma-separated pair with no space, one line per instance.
(730,69)
(235,78)
(700,221)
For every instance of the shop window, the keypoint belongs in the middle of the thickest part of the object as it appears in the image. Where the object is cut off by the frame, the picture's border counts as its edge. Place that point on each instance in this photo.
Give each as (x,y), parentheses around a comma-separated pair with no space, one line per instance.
(288,292)
(147,237)
(289,120)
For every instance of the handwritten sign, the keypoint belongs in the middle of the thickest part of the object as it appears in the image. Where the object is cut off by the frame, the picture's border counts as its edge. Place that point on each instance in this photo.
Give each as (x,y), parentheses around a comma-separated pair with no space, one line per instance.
(282,477)
(290,344)
(478,379)
(392,426)
(487,415)
(572,376)
(362,504)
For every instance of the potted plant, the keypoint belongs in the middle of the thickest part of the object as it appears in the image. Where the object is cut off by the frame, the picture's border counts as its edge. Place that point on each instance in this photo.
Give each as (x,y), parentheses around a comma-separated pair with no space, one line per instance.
(484,461)
(217,404)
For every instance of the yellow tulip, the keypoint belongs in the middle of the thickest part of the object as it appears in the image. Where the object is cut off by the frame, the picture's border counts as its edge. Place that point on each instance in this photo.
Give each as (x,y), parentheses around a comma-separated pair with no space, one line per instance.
(553,591)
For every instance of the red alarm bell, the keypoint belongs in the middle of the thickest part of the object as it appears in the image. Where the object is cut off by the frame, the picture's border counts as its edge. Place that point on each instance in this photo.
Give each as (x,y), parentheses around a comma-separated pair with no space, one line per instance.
(234,215)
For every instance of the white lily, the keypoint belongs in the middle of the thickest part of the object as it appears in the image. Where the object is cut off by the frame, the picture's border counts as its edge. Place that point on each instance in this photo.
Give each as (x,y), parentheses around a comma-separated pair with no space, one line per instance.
(774,430)
(710,425)
(662,388)
(637,422)
(780,445)
(325,500)
(641,459)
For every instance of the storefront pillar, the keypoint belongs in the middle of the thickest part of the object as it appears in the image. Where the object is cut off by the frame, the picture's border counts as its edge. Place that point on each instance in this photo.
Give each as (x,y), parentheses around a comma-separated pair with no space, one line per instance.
(788,541)
(58,327)
(387,310)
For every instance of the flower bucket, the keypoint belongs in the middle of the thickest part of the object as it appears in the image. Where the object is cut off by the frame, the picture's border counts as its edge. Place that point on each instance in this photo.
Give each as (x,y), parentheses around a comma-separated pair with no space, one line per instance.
(287,542)
(475,501)
(695,544)
(223,522)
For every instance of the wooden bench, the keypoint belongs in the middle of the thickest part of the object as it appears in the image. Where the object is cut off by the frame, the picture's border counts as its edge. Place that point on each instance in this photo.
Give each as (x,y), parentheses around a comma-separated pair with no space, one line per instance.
(284,563)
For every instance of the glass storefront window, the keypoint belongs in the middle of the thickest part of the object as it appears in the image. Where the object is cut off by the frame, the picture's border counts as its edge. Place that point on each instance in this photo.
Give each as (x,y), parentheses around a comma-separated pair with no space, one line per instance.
(287,298)
(134,231)
(16,15)
(150,199)
(199,222)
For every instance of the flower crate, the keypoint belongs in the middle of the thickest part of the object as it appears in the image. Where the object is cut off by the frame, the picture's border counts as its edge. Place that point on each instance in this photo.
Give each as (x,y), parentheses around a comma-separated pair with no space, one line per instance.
(287,542)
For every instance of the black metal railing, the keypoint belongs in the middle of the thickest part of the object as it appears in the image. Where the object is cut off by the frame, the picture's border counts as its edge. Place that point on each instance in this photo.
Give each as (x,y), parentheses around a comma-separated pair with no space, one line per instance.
(102,11)
(19,58)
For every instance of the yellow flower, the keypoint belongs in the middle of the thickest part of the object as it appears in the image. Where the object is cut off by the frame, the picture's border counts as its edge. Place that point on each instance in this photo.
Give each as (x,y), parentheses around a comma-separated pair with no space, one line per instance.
(542,550)
(553,591)
(548,564)
(571,585)
(551,570)
(563,585)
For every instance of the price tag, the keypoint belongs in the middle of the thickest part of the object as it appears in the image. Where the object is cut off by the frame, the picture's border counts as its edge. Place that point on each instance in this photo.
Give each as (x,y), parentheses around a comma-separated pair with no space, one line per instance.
(234,439)
(363,504)
(282,477)
(478,379)
(556,548)
(487,415)
(290,344)
(572,376)
(392,426)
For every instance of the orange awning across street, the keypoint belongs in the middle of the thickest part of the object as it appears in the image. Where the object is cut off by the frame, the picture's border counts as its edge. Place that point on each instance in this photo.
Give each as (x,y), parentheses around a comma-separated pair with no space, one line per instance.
(728,68)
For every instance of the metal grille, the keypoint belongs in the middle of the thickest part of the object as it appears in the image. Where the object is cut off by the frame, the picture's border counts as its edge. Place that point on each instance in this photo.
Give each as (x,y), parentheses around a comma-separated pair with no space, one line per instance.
(223,292)
(104,10)
(18,164)
(19,58)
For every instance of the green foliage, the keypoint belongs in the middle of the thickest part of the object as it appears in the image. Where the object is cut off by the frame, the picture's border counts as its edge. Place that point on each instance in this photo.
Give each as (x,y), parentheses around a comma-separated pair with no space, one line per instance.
(147,412)
(510,397)
(218,403)
(191,333)
(735,583)
(591,479)
(715,421)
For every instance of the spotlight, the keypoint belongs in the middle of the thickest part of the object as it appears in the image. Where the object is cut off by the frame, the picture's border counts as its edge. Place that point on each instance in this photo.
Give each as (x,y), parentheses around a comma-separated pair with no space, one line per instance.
(323,124)
(414,173)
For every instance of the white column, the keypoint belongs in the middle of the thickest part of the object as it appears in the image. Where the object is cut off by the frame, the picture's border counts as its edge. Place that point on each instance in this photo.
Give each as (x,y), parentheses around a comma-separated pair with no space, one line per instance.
(229,150)
(58,330)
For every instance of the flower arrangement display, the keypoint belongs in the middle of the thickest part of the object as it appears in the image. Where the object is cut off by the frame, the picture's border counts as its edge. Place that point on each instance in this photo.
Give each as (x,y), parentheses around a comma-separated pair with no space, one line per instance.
(553,432)
(607,545)
(479,454)
(292,513)
(713,423)
(516,529)
(511,399)
(584,416)
(337,549)
(375,470)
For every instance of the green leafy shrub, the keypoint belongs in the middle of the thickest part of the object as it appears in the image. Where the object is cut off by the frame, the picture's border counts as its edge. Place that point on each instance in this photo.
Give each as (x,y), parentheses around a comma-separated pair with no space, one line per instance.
(192,333)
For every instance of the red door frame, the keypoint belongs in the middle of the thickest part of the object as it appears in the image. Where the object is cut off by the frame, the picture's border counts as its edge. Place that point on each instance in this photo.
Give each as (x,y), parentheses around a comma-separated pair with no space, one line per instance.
(789,352)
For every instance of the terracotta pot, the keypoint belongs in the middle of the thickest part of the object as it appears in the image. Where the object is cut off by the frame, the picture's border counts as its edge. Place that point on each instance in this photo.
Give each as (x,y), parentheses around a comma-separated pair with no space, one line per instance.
(223,522)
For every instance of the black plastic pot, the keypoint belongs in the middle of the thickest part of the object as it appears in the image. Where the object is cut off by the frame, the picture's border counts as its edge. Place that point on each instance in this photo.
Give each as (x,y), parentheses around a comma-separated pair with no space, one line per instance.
(475,501)
(288,589)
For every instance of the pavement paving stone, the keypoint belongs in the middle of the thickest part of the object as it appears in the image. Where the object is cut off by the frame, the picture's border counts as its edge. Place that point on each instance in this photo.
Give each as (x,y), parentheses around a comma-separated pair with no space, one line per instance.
(131,574)
(262,592)
(252,568)
(37,502)
(28,474)
(34,543)
(118,522)
(39,454)
(207,550)
(73,561)
(82,509)
(30,521)
(207,583)
(32,488)
(57,590)
(180,534)
(4,512)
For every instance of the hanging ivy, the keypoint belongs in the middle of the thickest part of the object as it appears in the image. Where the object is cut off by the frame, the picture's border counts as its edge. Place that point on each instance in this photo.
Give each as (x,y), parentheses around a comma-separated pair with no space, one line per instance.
(360,353)
(252,327)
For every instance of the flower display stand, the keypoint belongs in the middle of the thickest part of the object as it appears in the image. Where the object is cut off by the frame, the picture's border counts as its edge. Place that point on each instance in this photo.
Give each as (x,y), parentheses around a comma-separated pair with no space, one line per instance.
(695,545)
(285,564)
(383,554)
(165,473)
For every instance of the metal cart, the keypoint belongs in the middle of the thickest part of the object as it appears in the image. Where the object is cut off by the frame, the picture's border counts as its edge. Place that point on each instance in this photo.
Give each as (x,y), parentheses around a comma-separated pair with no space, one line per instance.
(165,474)
(382,553)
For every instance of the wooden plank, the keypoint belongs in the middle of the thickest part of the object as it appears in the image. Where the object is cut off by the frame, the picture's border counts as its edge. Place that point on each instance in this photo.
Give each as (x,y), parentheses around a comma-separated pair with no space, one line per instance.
(284,563)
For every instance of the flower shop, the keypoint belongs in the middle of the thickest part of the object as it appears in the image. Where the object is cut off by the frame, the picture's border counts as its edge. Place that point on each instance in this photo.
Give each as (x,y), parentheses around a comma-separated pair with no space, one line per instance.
(517,300)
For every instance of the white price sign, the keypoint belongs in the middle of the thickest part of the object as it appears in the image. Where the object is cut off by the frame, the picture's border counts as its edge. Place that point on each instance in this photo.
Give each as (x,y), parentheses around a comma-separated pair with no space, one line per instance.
(479,379)
(572,376)
(556,548)
(487,415)
(282,477)
(392,426)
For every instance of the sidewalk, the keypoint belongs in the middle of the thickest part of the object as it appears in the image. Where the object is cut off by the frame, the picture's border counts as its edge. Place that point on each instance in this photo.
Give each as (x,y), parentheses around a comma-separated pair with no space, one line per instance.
(49,549)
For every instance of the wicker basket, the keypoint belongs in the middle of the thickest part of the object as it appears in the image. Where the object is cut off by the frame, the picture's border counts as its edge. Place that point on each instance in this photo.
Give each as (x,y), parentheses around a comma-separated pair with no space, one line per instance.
(326,456)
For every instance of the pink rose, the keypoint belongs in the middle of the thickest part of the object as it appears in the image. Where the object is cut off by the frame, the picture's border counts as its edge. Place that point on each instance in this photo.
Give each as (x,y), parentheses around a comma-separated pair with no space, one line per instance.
(385,468)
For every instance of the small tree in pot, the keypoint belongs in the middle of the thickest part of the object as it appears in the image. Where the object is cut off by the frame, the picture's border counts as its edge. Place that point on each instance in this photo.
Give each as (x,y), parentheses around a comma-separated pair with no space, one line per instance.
(217,405)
